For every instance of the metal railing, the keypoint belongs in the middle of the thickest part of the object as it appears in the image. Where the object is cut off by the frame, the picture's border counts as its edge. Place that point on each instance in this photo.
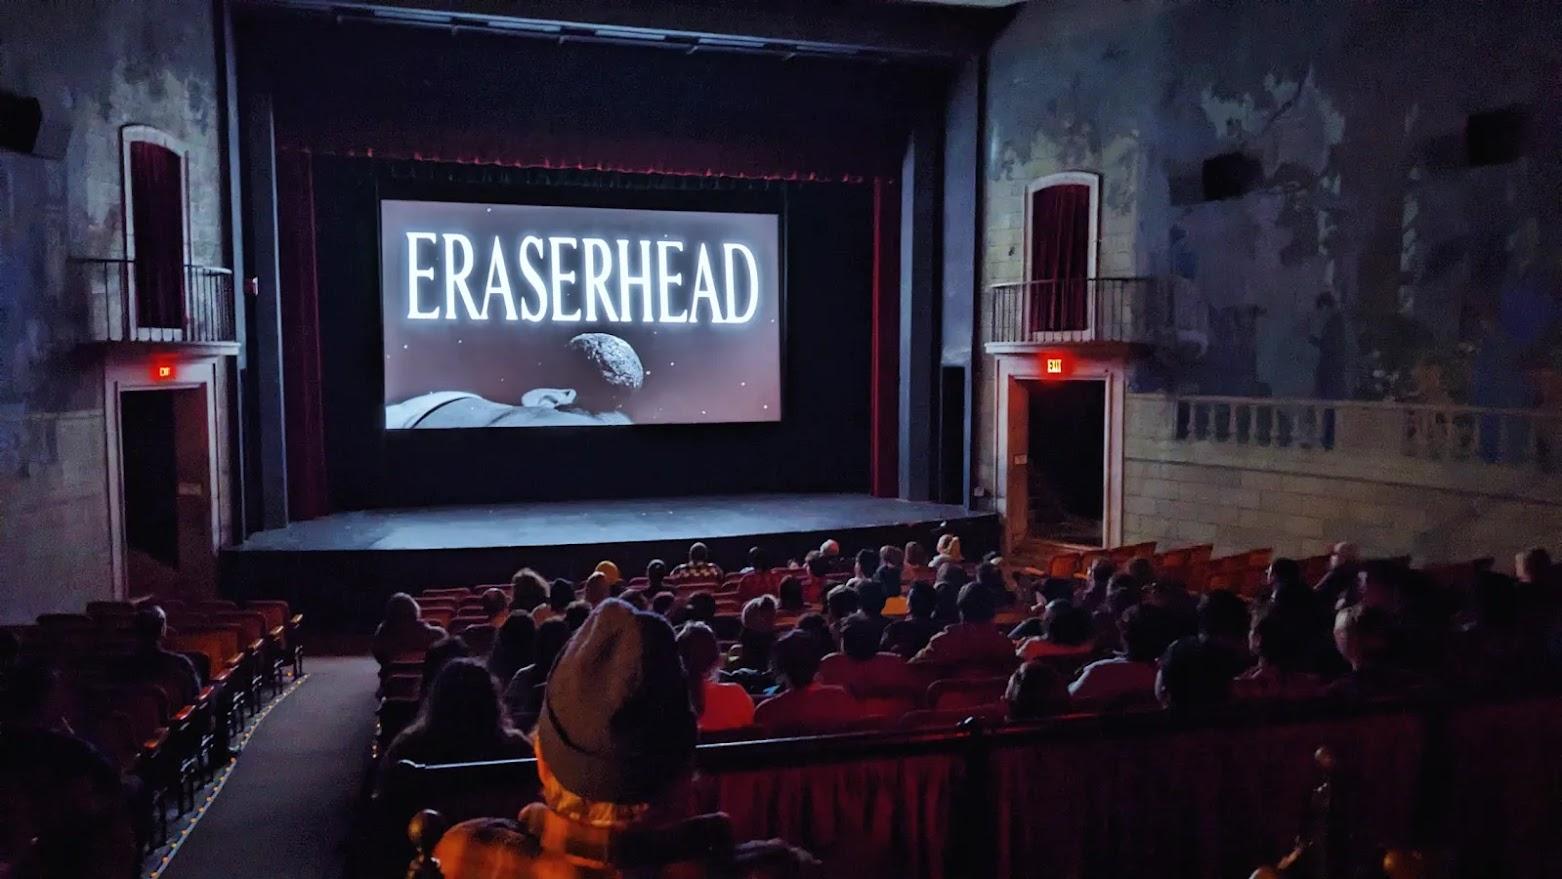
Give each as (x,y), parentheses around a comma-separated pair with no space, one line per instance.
(206,303)
(1529,438)
(1067,310)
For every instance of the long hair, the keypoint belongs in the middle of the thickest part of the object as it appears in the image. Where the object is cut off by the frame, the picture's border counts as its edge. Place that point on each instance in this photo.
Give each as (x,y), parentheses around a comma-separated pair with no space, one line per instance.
(514,646)
(697,646)
(462,706)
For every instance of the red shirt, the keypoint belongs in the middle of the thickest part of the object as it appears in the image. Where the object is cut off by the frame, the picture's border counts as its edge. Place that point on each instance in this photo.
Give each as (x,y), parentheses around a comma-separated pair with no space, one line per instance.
(814,708)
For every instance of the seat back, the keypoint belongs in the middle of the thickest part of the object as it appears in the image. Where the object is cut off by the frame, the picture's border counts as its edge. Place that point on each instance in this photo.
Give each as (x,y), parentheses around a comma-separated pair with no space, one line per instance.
(955,693)
(1064,564)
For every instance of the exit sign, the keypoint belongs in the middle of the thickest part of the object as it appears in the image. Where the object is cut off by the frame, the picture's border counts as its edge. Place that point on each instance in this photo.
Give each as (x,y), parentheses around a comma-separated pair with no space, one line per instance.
(1054,366)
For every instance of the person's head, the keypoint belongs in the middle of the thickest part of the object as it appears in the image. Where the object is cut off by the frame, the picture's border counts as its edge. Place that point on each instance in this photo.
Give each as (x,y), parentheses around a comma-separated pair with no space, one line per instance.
(758,559)
(1146,630)
(439,654)
(759,614)
(891,555)
(790,591)
(1068,625)
(1533,565)
(1057,589)
(494,602)
(991,576)
(463,701)
(949,547)
(701,659)
(1143,570)
(795,659)
(829,549)
(1344,554)
(575,614)
(1378,584)
(552,635)
(946,608)
(596,588)
(701,607)
(841,602)
(1223,618)
(400,610)
(887,578)
(663,604)
(1495,601)
(870,598)
(1284,572)
(1101,571)
(975,604)
(516,642)
(699,553)
(529,590)
(1280,638)
(953,573)
(617,726)
(1122,592)
(150,624)
(818,566)
(867,563)
(922,600)
(1193,674)
(561,594)
(860,639)
(1363,634)
(655,572)
(1036,690)
(817,627)
(610,572)
(636,599)
(916,555)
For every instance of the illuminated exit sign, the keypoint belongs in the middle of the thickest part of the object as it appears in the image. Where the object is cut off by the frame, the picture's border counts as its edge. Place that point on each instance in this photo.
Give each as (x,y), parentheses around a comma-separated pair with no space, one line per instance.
(1056,364)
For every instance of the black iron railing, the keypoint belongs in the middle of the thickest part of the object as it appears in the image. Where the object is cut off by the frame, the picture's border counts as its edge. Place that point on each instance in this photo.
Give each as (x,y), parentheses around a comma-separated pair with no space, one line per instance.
(121,313)
(1078,310)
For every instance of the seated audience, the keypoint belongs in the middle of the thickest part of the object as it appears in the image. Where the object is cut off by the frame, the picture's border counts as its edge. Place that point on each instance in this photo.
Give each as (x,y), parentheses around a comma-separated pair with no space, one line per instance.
(916,564)
(1067,634)
(870,609)
(816,580)
(1097,583)
(973,645)
(1122,593)
(892,557)
(907,636)
(1339,583)
(867,563)
(461,721)
(1036,690)
(528,591)
(615,579)
(1142,569)
(700,607)
(439,654)
(841,603)
(719,706)
(655,577)
(575,614)
(863,671)
(1224,625)
(636,599)
(403,631)
(991,576)
(1364,634)
(758,633)
(790,595)
(887,578)
(664,604)
(815,625)
(1283,644)
(561,593)
(803,705)
(946,603)
(522,695)
(496,606)
(759,578)
(1126,681)
(615,755)
(1182,609)
(948,551)
(596,589)
(514,646)
(698,567)
(150,661)
(1194,673)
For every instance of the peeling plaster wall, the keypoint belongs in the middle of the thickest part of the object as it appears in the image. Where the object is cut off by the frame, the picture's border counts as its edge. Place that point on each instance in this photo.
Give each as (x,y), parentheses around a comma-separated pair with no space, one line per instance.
(96,65)
(1448,278)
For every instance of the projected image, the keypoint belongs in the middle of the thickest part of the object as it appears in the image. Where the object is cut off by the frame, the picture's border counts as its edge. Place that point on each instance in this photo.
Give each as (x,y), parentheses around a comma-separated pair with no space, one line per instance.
(536,316)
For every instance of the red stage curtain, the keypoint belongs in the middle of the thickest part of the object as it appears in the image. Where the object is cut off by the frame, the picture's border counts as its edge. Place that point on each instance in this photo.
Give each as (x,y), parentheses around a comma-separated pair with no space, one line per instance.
(307,490)
(157,221)
(1060,253)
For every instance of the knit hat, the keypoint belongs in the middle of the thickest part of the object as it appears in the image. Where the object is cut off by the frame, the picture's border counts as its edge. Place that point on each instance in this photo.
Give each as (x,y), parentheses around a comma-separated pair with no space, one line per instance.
(616,723)
(610,571)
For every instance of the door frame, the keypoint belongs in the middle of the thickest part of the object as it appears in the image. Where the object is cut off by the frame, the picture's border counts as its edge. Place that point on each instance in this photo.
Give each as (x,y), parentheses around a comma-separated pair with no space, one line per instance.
(1013,432)
(129,373)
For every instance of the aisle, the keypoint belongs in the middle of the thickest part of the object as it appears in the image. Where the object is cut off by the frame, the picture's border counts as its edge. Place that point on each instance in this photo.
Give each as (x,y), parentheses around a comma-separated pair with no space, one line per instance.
(287,809)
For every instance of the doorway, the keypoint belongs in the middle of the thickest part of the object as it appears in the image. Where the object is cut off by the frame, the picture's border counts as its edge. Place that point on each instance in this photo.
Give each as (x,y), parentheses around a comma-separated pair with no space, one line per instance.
(165,465)
(1065,448)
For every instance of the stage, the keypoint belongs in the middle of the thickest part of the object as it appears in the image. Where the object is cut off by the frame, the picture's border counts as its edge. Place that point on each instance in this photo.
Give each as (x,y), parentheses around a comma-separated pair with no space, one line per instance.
(342,566)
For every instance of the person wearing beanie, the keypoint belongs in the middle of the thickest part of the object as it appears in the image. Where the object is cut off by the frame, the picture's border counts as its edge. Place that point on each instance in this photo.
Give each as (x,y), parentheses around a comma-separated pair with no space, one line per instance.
(972,643)
(610,571)
(615,754)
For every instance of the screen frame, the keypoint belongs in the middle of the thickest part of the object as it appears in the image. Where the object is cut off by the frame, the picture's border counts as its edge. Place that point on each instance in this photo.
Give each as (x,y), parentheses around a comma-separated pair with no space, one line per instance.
(758,198)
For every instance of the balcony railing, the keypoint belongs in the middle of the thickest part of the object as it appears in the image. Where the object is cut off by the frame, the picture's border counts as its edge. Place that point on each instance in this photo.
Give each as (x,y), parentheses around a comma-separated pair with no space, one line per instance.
(1079,310)
(205,304)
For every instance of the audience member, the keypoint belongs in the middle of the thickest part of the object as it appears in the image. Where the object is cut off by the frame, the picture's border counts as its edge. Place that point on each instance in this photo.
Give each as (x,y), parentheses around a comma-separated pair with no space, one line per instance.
(817,580)
(841,603)
(867,563)
(1339,582)
(523,693)
(1067,634)
(887,578)
(615,755)
(870,609)
(916,564)
(610,572)
(803,705)
(1142,569)
(759,578)
(1194,673)
(461,721)
(700,607)
(438,655)
(948,551)
(150,661)
(790,593)
(1182,609)
(907,636)
(1036,690)
(816,626)
(698,567)
(655,577)
(496,605)
(561,593)
(1364,634)
(528,591)
(946,603)
(1126,681)
(718,706)
(1122,592)
(514,646)
(863,671)
(1097,584)
(664,604)
(1282,642)
(402,631)
(953,573)
(991,577)
(972,643)
(636,599)
(1224,625)
(893,557)
(575,614)
(758,633)
(596,589)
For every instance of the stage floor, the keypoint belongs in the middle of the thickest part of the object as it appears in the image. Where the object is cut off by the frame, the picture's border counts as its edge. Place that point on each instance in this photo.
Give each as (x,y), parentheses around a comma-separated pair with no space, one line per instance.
(354,559)
(597,522)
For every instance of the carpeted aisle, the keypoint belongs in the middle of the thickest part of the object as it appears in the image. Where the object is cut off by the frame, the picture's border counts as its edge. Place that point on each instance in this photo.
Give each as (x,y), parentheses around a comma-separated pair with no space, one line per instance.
(287,809)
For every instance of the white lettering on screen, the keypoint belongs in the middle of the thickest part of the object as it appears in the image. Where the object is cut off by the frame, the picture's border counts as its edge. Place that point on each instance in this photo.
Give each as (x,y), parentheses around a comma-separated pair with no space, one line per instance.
(567,279)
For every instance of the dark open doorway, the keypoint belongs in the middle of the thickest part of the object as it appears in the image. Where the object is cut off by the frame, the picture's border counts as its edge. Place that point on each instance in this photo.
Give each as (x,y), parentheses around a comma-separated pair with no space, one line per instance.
(164,465)
(1066,448)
